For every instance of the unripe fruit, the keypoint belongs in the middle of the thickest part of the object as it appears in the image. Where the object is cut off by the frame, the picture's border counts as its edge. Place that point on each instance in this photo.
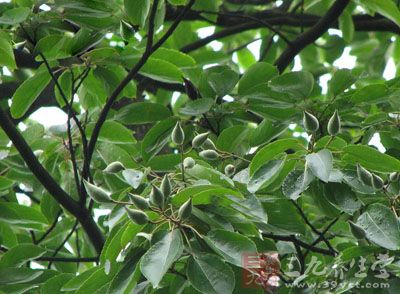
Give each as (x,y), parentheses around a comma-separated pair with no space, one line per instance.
(188,162)
(166,186)
(137,216)
(96,193)
(364,175)
(185,210)
(156,197)
(190,89)
(178,136)
(209,154)
(394,177)
(357,231)
(310,122)
(377,182)
(114,167)
(126,30)
(230,170)
(208,144)
(199,140)
(334,124)
(139,201)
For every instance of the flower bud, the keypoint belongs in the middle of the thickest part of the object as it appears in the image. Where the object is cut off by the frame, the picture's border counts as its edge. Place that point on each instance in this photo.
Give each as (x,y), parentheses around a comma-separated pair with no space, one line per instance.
(209,154)
(364,175)
(208,144)
(96,193)
(310,122)
(334,124)
(114,167)
(139,201)
(377,182)
(357,231)
(185,210)
(394,177)
(230,170)
(137,216)
(126,30)
(156,197)
(199,140)
(188,162)
(178,136)
(190,89)
(166,186)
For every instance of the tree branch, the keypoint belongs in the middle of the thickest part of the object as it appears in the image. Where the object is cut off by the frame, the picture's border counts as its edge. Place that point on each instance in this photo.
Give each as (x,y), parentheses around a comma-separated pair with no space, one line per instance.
(311,35)
(90,227)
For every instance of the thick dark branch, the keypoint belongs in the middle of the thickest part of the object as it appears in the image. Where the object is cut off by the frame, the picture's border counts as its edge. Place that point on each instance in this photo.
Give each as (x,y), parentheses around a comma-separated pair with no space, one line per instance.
(311,35)
(49,183)
(68,259)
(294,240)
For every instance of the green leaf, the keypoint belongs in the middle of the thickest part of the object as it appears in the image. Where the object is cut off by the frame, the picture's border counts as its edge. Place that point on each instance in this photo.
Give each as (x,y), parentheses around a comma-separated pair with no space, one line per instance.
(371,158)
(381,226)
(18,275)
(209,275)
(296,183)
(6,52)
(142,113)
(197,107)
(298,84)
(65,82)
(18,255)
(14,213)
(346,25)
(385,7)
(14,16)
(27,93)
(271,150)
(230,245)
(159,258)
(210,174)
(54,284)
(341,80)
(255,79)
(133,177)
(221,78)
(5,183)
(342,197)
(77,281)
(370,93)
(321,164)
(175,57)
(137,11)
(113,132)
(95,281)
(231,139)
(265,175)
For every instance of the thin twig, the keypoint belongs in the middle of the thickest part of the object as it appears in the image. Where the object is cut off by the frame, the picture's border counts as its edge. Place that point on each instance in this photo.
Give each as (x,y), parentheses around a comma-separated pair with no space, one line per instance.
(50,229)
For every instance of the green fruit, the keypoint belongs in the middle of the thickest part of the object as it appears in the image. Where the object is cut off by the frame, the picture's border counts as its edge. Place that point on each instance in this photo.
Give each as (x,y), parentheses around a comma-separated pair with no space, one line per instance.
(199,140)
(137,216)
(178,135)
(310,122)
(166,186)
(188,162)
(96,193)
(230,170)
(156,197)
(139,201)
(357,231)
(394,177)
(208,144)
(126,30)
(364,175)
(209,154)
(334,124)
(114,167)
(185,210)
(377,182)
